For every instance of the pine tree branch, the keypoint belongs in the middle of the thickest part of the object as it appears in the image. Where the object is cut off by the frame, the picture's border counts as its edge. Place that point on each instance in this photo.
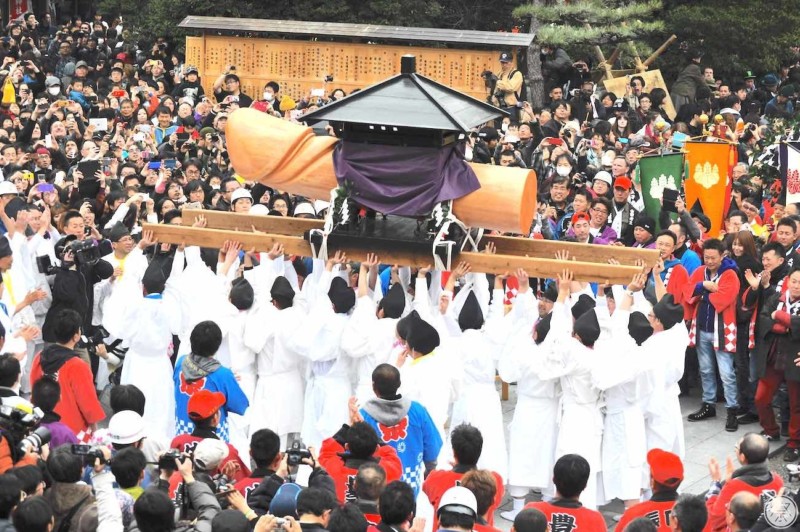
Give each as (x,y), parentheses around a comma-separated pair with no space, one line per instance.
(593,12)
(559,35)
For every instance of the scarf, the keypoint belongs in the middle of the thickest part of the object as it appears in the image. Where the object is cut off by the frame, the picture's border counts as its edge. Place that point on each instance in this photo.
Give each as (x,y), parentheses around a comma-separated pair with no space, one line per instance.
(195,367)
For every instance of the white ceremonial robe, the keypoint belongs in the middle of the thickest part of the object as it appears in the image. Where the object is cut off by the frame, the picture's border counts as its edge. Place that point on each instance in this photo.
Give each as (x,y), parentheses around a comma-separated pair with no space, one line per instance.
(432,380)
(622,378)
(533,431)
(280,387)
(329,385)
(663,420)
(581,421)
(369,341)
(478,404)
(150,325)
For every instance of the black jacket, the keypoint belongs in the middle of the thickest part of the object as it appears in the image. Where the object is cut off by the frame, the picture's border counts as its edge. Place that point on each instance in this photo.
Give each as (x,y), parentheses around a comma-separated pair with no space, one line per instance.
(262,496)
(74,289)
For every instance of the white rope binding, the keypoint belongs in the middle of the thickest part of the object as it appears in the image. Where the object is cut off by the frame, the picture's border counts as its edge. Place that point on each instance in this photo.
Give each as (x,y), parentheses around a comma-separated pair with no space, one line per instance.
(322,253)
(439,241)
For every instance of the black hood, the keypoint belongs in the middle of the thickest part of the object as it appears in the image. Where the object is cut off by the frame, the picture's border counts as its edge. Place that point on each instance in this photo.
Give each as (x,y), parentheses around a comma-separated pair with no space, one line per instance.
(54,356)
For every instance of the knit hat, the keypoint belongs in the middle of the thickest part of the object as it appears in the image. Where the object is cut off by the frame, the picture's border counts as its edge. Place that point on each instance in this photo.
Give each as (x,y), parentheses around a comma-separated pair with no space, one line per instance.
(645,222)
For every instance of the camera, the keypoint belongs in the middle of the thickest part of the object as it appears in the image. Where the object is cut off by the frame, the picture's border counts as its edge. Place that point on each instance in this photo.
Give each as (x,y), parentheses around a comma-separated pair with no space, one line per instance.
(18,420)
(88,452)
(222,486)
(162,46)
(489,80)
(214,138)
(45,265)
(86,252)
(328,79)
(296,453)
(35,440)
(97,338)
(167,460)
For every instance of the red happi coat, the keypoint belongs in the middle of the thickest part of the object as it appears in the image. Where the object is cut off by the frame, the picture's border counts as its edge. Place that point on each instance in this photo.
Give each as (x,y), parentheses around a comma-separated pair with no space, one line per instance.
(724,302)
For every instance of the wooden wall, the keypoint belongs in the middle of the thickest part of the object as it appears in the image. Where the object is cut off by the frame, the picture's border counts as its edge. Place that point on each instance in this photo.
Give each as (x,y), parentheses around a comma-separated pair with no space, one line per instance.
(299,66)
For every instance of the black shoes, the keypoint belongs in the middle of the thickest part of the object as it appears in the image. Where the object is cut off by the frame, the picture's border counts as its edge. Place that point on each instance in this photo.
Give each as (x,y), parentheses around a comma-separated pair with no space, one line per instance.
(707,411)
(731,423)
(791,455)
(776,437)
(748,418)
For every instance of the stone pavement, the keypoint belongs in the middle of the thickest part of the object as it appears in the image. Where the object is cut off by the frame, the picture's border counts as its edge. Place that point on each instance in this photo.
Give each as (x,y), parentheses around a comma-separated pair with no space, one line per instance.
(704,440)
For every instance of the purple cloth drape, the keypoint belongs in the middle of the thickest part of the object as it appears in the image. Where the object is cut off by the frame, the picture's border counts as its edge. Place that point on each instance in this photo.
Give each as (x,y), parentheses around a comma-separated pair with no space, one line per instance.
(401,180)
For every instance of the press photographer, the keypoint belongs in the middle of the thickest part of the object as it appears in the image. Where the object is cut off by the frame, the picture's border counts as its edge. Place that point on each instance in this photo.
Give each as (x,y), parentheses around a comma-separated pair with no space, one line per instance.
(508,91)
(80,268)
(23,440)
(261,497)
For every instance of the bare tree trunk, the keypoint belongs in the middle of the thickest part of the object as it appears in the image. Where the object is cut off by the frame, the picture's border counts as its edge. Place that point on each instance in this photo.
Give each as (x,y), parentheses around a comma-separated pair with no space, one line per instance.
(535,78)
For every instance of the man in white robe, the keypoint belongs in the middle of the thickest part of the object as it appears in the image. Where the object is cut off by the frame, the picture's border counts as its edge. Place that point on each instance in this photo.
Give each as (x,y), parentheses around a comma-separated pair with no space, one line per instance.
(533,431)
(572,359)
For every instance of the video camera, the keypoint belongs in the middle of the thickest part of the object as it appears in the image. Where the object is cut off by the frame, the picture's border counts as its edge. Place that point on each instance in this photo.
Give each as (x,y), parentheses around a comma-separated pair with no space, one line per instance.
(84,252)
(88,452)
(296,453)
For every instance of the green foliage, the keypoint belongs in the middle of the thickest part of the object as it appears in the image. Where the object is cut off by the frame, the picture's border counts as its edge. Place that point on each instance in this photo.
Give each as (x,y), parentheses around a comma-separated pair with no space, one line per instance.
(594,12)
(736,36)
(593,22)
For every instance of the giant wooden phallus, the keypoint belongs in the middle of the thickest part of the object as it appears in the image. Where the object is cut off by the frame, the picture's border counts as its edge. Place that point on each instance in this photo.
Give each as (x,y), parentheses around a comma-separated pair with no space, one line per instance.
(290,158)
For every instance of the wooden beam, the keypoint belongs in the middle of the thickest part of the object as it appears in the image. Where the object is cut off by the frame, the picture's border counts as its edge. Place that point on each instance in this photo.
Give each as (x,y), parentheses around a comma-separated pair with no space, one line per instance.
(480,262)
(281,225)
(581,252)
(661,49)
(505,245)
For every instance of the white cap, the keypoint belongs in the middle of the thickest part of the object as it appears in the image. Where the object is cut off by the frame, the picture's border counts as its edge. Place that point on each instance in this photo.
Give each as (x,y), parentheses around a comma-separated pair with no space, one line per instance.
(210,453)
(603,176)
(126,427)
(240,193)
(7,187)
(460,500)
(259,209)
(304,207)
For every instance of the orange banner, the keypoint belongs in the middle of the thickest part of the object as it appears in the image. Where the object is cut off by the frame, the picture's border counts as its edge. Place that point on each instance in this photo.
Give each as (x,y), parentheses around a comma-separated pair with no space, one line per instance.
(708,181)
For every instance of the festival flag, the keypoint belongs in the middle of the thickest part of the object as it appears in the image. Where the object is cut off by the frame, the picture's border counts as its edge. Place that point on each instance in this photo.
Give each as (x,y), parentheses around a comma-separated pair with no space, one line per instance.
(708,181)
(17,8)
(657,172)
(790,171)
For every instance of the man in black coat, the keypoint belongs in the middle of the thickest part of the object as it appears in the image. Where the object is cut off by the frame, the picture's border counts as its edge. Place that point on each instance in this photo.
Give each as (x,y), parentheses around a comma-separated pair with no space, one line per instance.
(777,346)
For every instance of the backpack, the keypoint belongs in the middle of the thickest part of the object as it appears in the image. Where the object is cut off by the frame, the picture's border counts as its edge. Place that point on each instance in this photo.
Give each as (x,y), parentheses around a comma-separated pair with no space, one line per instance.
(523,89)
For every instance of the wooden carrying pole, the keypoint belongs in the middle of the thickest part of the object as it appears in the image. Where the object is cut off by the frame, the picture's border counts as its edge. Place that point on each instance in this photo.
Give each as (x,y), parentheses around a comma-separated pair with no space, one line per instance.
(504,245)
(480,262)
(291,158)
